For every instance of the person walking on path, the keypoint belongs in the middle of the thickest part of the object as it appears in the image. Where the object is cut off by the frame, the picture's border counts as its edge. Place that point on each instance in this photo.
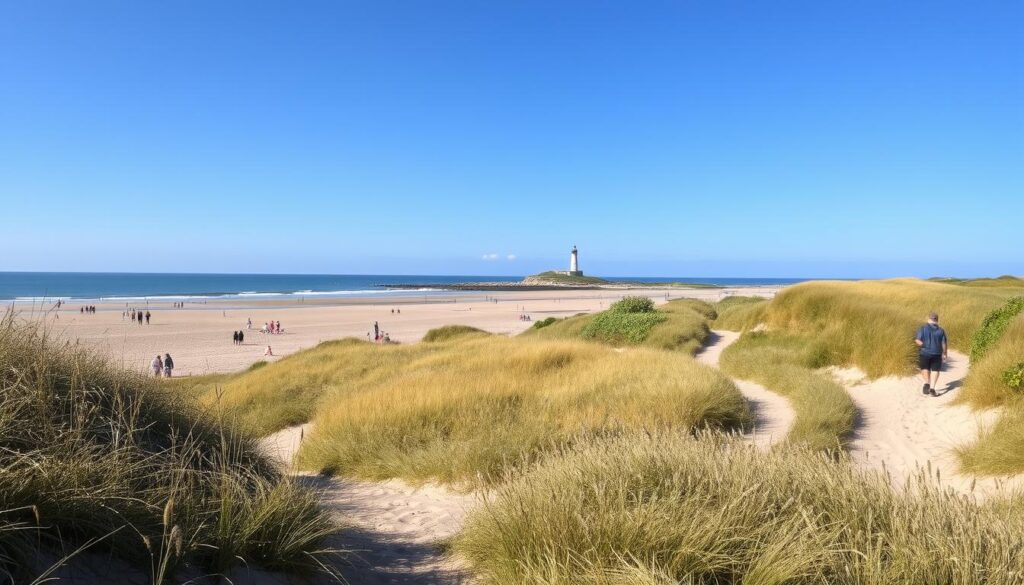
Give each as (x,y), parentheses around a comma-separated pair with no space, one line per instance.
(158,366)
(168,365)
(934,348)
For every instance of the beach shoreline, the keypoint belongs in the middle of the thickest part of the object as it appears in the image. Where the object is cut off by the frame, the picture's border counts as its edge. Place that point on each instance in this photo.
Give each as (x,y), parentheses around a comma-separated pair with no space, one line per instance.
(199,334)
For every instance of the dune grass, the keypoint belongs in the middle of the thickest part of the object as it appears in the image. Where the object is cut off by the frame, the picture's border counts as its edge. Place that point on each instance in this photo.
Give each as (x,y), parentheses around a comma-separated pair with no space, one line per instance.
(461,410)
(680,325)
(871,324)
(449,332)
(739,313)
(786,364)
(93,454)
(673,509)
(1000,449)
(478,409)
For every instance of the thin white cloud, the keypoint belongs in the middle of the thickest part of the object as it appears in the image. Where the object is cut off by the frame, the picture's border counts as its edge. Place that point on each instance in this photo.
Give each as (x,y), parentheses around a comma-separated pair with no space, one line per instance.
(490,257)
(511,257)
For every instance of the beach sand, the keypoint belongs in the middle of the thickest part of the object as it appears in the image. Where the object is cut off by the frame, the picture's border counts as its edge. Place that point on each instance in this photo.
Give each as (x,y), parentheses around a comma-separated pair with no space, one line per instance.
(198,336)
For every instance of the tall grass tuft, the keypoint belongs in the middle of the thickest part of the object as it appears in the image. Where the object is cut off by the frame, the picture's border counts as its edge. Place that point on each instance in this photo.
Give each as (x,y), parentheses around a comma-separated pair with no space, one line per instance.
(92,453)
(786,364)
(669,508)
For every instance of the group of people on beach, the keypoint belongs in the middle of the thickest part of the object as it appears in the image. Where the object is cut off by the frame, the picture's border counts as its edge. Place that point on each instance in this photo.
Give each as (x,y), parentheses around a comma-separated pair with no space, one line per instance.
(138,315)
(162,366)
(378,335)
(179,305)
(87,309)
(525,317)
(273,328)
(238,337)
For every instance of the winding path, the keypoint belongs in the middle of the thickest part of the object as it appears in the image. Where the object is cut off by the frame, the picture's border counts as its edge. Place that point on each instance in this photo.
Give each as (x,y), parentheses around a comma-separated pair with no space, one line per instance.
(903,431)
(773,415)
(394,529)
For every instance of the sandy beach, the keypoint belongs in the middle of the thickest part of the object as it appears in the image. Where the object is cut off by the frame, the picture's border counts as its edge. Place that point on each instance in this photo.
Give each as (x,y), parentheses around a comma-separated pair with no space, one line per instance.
(198,336)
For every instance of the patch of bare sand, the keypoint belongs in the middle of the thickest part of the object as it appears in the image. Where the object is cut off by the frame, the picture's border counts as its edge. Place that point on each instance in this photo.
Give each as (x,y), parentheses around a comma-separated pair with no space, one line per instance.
(773,415)
(394,530)
(903,431)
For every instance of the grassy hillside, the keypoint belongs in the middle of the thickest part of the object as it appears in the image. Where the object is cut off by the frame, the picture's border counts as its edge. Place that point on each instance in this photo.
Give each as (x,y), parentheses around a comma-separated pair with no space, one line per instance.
(463,409)
(672,509)
(677,325)
(871,324)
(92,455)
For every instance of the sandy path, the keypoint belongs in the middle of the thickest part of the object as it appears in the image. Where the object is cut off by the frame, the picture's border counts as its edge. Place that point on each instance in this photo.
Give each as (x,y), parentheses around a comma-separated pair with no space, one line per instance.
(901,430)
(393,528)
(773,416)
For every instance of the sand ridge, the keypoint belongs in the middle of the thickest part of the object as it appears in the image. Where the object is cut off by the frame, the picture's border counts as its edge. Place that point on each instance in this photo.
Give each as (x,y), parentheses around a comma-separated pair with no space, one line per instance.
(773,415)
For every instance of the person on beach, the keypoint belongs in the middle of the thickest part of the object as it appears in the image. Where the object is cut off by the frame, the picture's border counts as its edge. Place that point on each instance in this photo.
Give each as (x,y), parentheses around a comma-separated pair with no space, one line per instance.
(234,337)
(248,323)
(934,348)
(168,365)
(147,317)
(157,365)
(241,337)
(269,352)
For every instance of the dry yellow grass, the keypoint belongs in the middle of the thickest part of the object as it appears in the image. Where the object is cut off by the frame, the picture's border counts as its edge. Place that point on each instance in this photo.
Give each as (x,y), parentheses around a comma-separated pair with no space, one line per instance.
(474,408)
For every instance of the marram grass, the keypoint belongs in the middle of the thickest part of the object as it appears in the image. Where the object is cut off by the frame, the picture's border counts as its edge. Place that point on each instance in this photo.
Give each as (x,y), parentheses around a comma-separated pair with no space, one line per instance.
(91,455)
(476,409)
(670,508)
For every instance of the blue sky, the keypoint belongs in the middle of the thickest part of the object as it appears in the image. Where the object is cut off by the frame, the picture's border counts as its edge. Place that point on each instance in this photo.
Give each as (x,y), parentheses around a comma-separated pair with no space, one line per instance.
(713,138)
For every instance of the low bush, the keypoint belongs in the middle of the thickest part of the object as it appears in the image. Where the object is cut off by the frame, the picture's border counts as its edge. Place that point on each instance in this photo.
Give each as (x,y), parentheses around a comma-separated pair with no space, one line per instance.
(621,327)
(1013,376)
(544,322)
(993,326)
(666,508)
(633,305)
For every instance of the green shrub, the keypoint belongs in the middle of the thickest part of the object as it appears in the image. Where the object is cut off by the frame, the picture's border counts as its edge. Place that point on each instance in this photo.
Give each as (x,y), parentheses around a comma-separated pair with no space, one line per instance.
(993,326)
(633,305)
(1014,376)
(616,326)
(544,323)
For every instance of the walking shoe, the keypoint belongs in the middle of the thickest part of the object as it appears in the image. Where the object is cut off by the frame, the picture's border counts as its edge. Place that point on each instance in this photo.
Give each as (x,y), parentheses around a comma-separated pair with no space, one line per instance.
(932,392)
(925,389)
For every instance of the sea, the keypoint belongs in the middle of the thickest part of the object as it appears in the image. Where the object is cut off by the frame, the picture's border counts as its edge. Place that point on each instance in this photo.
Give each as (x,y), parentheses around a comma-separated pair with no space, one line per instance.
(114,286)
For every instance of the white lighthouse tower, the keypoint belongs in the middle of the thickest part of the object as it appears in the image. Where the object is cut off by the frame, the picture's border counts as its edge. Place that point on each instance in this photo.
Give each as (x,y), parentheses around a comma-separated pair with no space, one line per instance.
(574,263)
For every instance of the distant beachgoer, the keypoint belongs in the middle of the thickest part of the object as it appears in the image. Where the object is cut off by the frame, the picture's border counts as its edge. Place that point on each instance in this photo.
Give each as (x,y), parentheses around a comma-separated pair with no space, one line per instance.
(241,337)
(158,366)
(367,336)
(934,348)
(376,330)
(277,327)
(399,311)
(168,365)
(387,338)
(248,323)
(392,311)
(147,317)
(269,352)
(234,337)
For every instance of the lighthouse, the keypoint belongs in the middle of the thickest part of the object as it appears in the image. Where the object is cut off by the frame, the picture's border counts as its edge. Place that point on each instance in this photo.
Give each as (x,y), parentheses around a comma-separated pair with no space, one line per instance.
(574,263)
